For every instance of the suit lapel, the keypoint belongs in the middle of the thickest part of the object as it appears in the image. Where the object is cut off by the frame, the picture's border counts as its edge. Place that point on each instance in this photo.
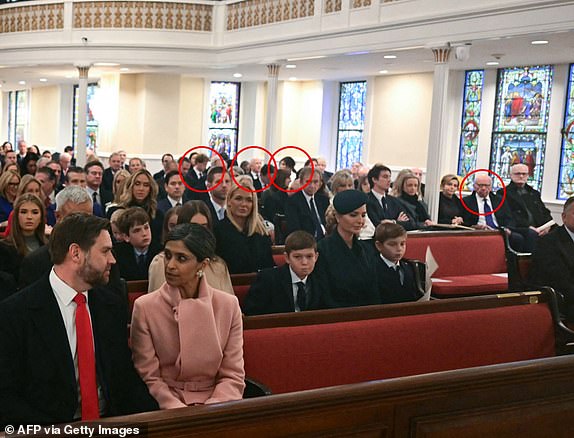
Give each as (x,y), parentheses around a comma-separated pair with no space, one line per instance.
(47,319)
(286,286)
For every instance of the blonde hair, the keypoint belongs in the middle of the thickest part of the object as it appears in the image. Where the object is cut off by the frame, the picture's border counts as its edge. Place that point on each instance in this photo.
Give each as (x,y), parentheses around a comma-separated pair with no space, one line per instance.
(448,178)
(127,199)
(404,175)
(118,193)
(339,179)
(254,224)
(5,180)
(25,182)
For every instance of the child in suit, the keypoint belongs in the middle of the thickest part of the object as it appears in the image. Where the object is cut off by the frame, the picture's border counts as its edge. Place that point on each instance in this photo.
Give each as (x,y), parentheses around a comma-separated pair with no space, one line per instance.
(291,287)
(135,254)
(396,278)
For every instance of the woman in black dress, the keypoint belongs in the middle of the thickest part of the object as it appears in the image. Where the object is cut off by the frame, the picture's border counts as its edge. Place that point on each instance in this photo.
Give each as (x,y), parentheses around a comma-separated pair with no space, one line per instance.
(345,267)
(450,209)
(407,189)
(242,239)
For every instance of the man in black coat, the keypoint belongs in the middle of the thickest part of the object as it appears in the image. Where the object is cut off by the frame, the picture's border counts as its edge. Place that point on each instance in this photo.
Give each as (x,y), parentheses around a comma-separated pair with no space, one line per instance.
(483,202)
(41,363)
(383,207)
(553,260)
(525,202)
(115,164)
(291,287)
(299,207)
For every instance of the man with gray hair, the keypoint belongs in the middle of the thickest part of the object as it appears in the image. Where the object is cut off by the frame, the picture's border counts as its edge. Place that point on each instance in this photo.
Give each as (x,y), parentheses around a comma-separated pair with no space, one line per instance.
(553,260)
(73,199)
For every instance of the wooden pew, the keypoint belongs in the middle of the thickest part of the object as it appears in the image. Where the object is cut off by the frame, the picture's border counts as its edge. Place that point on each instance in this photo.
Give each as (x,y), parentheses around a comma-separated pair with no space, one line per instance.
(308,350)
(278,254)
(241,284)
(528,399)
(135,289)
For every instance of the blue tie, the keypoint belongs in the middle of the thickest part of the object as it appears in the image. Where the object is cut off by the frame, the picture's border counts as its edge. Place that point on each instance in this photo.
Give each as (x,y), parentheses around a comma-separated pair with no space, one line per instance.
(488,218)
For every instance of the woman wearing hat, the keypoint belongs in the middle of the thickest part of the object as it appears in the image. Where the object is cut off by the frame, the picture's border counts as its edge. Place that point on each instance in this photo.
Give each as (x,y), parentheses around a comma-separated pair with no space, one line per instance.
(344,265)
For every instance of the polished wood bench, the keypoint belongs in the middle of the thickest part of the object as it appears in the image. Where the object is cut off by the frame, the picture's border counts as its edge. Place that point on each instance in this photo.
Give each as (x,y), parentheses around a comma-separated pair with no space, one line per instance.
(528,399)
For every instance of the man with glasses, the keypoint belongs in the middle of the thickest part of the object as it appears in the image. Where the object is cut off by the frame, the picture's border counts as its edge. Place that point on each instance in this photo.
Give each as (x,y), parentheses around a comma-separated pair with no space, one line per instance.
(525,202)
(483,202)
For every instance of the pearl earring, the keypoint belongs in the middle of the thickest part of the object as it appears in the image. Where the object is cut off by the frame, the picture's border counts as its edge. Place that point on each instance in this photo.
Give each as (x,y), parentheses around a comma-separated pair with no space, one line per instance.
(200,273)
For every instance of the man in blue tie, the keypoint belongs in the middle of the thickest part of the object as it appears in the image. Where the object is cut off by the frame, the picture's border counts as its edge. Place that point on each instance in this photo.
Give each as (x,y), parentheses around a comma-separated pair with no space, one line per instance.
(484,202)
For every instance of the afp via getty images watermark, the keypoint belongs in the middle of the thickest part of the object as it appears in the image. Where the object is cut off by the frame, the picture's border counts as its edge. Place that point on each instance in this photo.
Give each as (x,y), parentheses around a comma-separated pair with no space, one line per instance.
(85,430)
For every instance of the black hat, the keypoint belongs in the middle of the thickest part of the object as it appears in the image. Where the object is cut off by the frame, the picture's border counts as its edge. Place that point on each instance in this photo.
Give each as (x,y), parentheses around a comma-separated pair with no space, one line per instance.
(348,201)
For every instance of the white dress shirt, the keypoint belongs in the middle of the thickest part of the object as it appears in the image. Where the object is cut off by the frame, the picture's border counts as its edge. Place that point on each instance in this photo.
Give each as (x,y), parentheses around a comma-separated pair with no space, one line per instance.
(482,218)
(294,280)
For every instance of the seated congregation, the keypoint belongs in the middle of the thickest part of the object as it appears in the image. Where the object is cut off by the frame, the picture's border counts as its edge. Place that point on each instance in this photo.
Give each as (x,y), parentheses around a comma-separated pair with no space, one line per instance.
(335,260)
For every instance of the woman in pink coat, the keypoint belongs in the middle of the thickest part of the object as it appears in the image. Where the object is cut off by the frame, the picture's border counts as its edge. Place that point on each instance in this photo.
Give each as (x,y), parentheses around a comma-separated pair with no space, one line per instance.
(187,337)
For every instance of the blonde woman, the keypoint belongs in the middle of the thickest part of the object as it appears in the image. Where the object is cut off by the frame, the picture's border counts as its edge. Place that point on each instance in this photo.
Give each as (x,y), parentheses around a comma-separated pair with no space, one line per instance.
(118,184)
(140,190)
(9,182)
(407,191)
(242,239)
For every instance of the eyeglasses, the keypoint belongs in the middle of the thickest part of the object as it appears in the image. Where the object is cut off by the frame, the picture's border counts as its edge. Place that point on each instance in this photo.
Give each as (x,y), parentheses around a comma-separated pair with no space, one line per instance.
(13,184)
(520,173)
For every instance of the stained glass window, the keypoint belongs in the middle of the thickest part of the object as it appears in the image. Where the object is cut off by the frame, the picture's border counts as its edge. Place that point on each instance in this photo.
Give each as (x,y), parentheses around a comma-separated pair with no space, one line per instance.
(566,178)
(521,121)
(17,116)
(473,83)
(352,103)
(91,121)
(224,116)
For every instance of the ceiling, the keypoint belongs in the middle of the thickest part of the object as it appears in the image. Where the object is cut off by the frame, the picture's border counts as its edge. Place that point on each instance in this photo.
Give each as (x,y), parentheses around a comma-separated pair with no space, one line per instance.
(507,52)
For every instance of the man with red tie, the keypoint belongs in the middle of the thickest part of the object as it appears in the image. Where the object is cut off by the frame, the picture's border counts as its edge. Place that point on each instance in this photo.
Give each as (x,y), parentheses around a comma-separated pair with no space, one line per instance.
(63,339)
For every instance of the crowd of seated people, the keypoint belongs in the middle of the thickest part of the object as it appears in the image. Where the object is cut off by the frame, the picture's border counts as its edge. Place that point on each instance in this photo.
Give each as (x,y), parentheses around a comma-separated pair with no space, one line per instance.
(345,236)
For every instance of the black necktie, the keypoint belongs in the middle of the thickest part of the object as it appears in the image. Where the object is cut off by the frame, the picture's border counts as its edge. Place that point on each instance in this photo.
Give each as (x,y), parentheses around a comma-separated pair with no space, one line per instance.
(141,263)
(95,198)
(397,269)
(316,223)
(301,296)
(384,203)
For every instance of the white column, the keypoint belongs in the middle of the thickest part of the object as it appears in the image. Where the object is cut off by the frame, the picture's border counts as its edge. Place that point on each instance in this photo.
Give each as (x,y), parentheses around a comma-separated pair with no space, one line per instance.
(80,152)
(272,85)
(437,156)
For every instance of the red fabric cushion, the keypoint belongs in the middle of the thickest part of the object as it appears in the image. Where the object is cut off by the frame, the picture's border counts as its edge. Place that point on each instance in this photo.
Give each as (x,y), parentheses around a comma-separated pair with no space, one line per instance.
(132,296)
(305,357)
(241,293)
(470,285)
(461,255)
(279,259)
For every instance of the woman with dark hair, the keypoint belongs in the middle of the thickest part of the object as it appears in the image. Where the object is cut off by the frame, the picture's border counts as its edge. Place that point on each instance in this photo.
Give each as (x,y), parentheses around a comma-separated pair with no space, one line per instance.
(242,239)
(28,165)
(345,265)
(216,273)
(450,209)
(187,337)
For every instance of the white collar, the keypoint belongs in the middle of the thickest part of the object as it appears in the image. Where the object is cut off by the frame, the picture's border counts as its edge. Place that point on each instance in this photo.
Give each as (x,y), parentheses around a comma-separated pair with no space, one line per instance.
(389,263)
(64,293)
(295,278)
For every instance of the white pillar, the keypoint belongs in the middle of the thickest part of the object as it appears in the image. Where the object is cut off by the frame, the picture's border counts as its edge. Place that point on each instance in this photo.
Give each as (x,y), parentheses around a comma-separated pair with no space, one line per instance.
(272,85)
(438,146)
(80,152)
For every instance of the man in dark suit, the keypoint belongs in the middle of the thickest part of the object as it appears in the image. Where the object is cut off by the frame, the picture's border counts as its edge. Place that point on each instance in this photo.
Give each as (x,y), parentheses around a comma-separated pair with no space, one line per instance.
(115,164)
(173,187)
(553,260)
(382,207)
(291,287)
(196,177)
(322,166)
(525,202)
(305,210)
(483,202)
(255,165)
(168,164)
(35,265)
(217,196)
(100,196)
(63,339)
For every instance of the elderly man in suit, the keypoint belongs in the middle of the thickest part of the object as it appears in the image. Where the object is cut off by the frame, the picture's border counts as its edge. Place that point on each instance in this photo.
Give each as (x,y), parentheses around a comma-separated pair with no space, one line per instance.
(63,339)
(553,260)
(305,210)
(484,202)
(525,202)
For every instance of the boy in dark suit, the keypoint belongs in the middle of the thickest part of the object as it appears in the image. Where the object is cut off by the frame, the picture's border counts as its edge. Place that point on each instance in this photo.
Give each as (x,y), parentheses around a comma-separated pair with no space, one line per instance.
(135,254)
(396,278)
(291,287)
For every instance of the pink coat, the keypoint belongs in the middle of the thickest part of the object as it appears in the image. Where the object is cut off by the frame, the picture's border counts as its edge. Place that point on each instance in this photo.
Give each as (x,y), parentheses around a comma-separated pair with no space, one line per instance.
(189,350)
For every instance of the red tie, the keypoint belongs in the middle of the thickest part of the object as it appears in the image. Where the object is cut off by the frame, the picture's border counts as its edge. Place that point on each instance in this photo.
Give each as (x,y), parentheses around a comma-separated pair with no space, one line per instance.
(86,361)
